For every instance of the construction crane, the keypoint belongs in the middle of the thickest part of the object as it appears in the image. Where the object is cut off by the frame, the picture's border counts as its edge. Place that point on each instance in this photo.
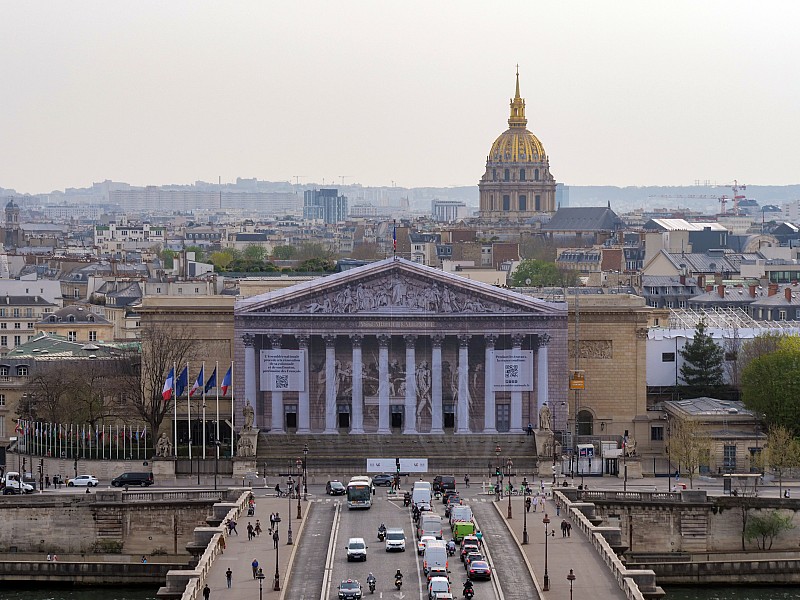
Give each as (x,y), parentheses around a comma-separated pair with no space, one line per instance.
(735,188)
(723,200)
(297,179)
(343,176)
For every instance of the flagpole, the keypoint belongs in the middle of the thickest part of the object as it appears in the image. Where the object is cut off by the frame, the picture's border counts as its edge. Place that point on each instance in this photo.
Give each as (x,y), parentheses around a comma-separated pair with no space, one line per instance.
(203,383)
(216,435)
(189,414)
(233,419)
(175,408)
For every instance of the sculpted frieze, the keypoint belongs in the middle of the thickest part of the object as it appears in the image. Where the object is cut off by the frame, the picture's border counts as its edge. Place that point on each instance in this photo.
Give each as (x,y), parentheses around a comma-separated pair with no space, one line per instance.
(592,349)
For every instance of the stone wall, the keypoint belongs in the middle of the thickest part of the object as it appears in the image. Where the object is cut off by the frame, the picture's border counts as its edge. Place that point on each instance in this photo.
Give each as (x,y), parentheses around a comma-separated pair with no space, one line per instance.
(127,522)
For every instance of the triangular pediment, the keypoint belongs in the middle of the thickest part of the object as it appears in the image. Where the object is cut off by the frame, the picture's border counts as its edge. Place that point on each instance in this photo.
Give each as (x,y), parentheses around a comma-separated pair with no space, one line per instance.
(395,287)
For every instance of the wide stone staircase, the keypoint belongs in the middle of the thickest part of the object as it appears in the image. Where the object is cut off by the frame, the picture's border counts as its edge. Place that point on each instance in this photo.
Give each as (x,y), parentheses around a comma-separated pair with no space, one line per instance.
(344,454)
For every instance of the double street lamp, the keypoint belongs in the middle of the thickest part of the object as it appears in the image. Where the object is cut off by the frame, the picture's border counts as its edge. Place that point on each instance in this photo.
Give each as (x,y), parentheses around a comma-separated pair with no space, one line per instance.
(299,471)
(546,586)
(571,579)
(525,510)
(276,583)
(305,473)
(497,487)
(510,465)
(289,531)
(260,577)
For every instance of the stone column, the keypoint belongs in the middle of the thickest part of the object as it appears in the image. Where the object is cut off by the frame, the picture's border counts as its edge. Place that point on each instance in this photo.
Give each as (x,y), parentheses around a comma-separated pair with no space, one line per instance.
(462,409)
(357,410)
(542,375)
(383,384)
(490,413)
(250,377)
(304,408)
(437,420)
(516,395)
(330,384)
(277,397)
(410,418)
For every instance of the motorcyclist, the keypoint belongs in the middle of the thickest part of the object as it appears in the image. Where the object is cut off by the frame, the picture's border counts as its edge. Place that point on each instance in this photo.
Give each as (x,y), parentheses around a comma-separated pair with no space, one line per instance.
(451,547)
(467,586)
(382,530)
(398,575)
(371,580)
(278,489)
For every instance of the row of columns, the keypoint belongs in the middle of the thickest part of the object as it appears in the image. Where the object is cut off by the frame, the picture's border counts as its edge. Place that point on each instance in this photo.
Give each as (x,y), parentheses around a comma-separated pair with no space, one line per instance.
(410,399)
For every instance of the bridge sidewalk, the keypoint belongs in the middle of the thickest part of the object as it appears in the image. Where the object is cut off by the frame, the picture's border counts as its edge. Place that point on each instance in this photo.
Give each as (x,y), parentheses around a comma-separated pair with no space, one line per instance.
(239,552)
(592,577)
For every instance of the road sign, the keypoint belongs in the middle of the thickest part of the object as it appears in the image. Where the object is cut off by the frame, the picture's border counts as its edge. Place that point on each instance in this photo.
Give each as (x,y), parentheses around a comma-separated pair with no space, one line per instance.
(576,380)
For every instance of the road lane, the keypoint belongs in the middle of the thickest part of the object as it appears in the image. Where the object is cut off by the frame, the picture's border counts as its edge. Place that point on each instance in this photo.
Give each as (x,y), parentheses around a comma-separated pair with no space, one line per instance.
(308,568)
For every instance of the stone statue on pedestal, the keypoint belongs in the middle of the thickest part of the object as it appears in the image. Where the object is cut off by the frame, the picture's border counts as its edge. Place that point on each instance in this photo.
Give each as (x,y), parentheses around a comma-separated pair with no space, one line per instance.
(544,418)
(163,446)
(249,414)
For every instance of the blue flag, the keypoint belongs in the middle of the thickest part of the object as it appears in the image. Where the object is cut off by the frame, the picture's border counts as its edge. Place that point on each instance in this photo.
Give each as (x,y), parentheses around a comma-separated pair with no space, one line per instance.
(182,382)
(212,381)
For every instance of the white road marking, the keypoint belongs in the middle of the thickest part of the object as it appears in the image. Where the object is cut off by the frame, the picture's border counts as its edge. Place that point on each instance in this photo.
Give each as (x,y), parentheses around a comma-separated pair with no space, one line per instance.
(326,581)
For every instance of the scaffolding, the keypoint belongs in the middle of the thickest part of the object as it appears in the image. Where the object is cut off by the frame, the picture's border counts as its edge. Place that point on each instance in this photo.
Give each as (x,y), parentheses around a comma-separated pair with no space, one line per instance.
(725,318)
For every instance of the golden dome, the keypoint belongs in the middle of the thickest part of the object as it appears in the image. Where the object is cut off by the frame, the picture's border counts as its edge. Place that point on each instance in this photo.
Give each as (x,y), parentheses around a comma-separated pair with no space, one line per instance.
(517,144)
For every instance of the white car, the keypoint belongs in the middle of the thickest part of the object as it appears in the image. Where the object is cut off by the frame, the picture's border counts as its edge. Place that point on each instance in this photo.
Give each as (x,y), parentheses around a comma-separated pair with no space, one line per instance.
(437,586)
(423,541)
(83,480)
(395,539)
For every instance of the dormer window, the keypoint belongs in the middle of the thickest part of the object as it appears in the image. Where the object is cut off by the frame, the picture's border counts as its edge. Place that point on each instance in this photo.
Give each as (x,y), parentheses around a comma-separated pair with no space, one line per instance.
(72,318)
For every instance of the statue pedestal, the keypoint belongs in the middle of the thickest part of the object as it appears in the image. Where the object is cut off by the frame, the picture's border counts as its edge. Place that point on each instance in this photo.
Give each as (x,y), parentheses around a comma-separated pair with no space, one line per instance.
(544,443)
(244,463)
(163,468)
(634,468)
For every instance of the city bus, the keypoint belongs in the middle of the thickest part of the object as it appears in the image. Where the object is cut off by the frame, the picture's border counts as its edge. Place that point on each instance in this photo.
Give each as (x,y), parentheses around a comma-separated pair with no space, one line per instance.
(359,492)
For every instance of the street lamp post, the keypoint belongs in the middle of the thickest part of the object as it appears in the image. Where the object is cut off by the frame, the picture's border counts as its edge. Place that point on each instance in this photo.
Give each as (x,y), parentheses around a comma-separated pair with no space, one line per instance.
(546,586)
(510,465)
(571,579)
(497,489)
(260,577)
(289,530)
(216,462)
(299,471)
(276,583)
(524,510)
(305,473)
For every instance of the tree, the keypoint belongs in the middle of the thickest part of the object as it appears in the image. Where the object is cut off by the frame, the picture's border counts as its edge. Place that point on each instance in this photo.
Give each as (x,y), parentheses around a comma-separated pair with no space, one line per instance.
(314,250)
(368,251)
(539,273)
(770,383)
(689,446)
(284,252)
(254,253)
(703,358)
(783,452)
(537,247)
(765,528)
(199,253)
(222,259)
(163,347)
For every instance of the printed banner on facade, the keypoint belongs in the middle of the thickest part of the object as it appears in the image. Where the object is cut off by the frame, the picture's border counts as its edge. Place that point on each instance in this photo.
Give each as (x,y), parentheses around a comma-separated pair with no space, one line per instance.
(283,370)
(513,370)
(388,465)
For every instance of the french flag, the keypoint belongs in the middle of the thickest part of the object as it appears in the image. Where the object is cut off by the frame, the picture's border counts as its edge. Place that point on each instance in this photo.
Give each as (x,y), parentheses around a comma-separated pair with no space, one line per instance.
(198,383)
(226,381)
(166,393)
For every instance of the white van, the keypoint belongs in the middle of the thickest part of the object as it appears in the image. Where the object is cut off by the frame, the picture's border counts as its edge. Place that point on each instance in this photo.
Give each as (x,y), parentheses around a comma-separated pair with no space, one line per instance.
(435,556)
(423,485)
(460,512)
(356,549)
(15,485)
(430,524)
(421,498)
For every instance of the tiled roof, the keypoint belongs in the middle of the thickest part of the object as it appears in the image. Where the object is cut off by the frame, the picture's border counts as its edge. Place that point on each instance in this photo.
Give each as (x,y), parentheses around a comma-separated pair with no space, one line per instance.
(584,218)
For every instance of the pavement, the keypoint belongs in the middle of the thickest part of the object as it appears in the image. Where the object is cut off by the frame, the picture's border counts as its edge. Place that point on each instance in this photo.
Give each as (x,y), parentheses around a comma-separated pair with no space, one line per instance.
(240,552)
(592,578)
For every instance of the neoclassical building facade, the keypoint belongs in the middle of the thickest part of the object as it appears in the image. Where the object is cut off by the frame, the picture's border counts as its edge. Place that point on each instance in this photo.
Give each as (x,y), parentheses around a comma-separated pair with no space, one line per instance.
(517,183)
(398,347)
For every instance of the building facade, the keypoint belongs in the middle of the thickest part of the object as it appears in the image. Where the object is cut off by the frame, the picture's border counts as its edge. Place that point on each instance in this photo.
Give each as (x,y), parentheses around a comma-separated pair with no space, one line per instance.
(325,206)
(398,347)
(517,183)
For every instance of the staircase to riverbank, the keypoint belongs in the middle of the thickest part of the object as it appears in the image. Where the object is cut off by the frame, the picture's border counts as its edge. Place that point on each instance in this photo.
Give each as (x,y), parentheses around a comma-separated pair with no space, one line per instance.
(344,454)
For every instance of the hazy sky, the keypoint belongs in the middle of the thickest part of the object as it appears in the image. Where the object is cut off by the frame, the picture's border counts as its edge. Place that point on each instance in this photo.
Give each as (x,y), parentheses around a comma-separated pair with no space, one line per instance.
(619,92)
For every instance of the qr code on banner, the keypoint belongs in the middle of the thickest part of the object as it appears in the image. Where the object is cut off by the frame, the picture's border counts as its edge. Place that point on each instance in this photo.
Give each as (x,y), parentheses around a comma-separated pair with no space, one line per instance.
(512,372)
(281,382)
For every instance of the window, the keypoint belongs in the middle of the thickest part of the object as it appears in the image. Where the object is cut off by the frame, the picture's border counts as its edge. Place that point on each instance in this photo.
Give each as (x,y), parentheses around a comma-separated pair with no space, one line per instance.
(507,175)
(17,325)
(158,290)
(3,341)
(17,340)
(523,202)
(30,325)
(681,303)
(30,337)
(2,399)
(72,336)
(3,325)
(494,174)
(22,371)
(657,433)
(75,293)
(585,423)
(782,315)
(16,313)
(506,202)
(2,312)
(536,174)
(667,357)
(538,202)
(4,371)
(28,312)
(729,458)
(522,174)
(197,290)
(92,336)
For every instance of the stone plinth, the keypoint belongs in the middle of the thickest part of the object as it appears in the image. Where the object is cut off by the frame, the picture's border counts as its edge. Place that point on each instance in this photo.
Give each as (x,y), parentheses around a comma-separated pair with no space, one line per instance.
(544,443)
(634,468)
(163,468)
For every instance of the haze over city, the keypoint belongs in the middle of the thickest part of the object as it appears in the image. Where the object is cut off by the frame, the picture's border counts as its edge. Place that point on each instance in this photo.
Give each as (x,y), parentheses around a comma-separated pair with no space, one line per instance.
(407,94)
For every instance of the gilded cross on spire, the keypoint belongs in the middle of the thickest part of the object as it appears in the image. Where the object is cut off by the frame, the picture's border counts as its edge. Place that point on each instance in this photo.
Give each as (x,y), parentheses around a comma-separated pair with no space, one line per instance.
(517,117)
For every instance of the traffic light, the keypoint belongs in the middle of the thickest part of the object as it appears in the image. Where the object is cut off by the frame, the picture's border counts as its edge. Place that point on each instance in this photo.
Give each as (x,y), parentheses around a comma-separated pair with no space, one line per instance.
(41,466)
(497,472)
(397,464)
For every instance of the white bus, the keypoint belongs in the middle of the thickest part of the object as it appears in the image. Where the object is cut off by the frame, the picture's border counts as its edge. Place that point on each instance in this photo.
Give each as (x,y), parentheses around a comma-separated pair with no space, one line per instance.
(359,492)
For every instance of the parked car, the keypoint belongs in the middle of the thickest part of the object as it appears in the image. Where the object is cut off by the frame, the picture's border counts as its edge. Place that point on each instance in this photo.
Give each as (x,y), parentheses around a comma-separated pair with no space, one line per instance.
(350,589)
(335,488)
(83,481)
(479,569)
(383,479)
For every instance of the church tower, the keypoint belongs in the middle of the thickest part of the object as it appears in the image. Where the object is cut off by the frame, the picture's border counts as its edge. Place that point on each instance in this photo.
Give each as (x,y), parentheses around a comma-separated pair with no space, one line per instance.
(517,183)
(12,225)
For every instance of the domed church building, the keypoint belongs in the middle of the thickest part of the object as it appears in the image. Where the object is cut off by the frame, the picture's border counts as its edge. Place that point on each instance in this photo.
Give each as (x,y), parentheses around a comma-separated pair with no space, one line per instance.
(517,183)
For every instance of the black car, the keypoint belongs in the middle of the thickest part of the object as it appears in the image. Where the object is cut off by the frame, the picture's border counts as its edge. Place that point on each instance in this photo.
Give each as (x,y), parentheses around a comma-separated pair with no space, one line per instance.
(383,479)
(442,483)
(350,589)
(335,488)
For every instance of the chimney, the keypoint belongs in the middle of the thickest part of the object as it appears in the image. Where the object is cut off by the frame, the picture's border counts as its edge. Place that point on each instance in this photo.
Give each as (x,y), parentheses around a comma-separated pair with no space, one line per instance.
(752,291)
(709,287)
(683,279)
(721,291)
(773,289)
(701,281)
(788,293)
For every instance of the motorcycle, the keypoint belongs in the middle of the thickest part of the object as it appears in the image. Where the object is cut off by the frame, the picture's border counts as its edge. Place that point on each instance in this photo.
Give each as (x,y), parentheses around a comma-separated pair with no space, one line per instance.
(469,593)
(381,535)
(371,586)
(398,582)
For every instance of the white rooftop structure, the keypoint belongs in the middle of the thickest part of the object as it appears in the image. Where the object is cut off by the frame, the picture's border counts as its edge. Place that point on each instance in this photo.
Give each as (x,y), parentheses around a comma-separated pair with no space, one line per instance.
(684,225)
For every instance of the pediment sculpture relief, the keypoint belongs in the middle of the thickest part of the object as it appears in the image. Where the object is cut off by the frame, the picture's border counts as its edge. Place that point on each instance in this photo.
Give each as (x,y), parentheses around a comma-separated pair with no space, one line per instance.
(389,294)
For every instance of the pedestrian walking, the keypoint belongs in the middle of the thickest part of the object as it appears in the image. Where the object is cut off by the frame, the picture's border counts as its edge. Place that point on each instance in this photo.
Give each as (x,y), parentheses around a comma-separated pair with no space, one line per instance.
(206,592)
(563,528)
(254,564)
(275,539)
(229,577)
(569,528)
(47,481)
(466,480)
(233,527)
(479,535)
(251,533)
(529,429)
(271,522)
(558,510)
(258,527)
(528,504)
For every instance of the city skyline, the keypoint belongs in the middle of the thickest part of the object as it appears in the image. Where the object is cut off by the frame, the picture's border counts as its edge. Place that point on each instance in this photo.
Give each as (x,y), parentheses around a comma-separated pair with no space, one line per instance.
(629,93)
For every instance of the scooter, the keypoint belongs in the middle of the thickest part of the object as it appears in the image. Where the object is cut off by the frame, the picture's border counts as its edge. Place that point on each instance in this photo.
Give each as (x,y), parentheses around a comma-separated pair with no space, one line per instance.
(468,593)
(372,587)
(381,535)
(398,582)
